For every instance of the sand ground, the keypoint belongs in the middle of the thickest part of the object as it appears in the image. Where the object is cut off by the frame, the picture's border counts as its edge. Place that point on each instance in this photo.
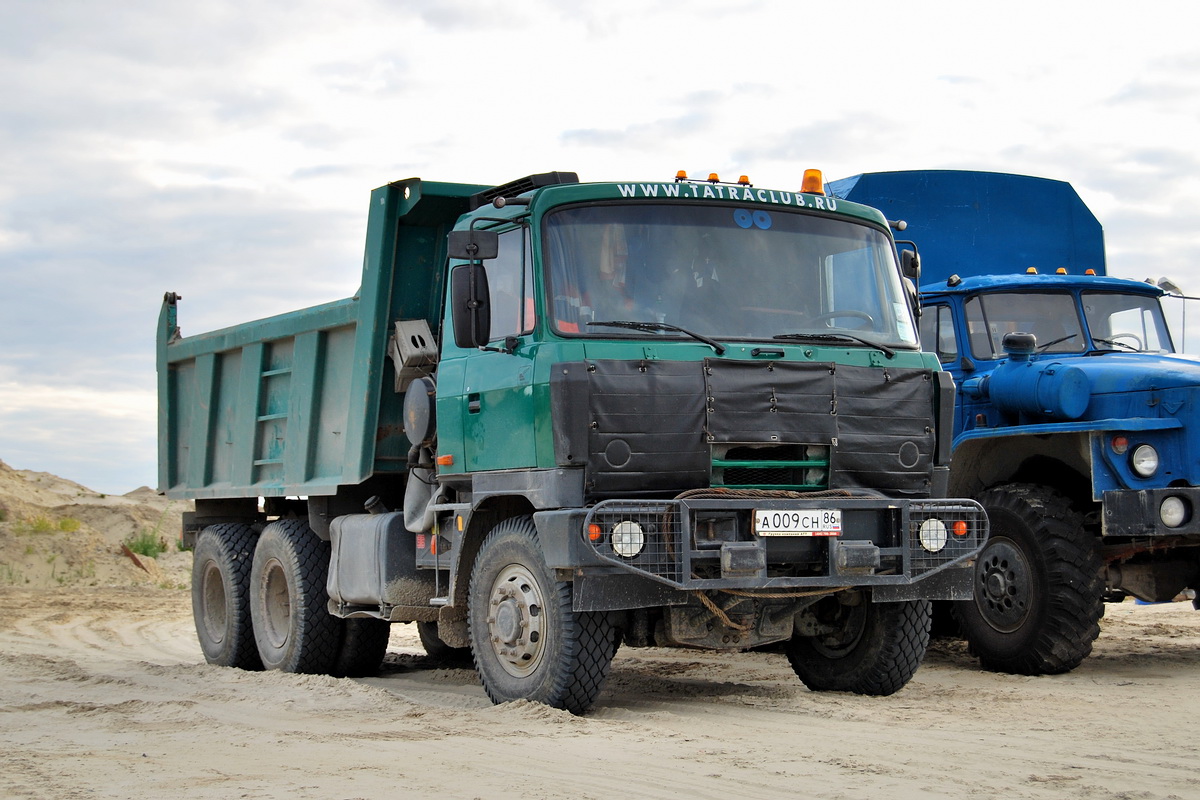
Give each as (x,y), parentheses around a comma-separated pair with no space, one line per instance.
(104,693)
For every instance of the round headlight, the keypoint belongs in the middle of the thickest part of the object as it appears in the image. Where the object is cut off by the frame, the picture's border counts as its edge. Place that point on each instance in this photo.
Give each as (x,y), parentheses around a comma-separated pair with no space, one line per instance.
(1144,460)
(1173,512)
(628,539)
(933,535)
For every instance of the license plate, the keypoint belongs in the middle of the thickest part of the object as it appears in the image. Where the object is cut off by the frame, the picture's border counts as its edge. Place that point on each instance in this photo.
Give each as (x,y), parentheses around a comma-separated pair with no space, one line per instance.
(802,522)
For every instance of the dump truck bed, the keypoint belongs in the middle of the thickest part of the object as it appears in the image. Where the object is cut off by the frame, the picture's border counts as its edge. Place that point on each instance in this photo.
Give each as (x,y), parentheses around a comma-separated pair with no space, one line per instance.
(303,402)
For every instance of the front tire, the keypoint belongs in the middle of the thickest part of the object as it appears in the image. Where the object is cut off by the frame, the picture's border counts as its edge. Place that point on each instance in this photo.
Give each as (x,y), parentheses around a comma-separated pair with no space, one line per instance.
(292,626)
(221,595)
(1038,591)
(527,642)
(872,648)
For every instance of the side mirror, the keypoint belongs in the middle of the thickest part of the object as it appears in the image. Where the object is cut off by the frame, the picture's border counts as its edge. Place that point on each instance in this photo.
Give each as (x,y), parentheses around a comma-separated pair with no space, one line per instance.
(910,265)
(473,245)
(470,304)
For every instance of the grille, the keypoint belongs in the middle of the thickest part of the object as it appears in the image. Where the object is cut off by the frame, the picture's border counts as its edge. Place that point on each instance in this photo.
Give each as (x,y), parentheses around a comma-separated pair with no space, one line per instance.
(661,554)
(788,467)
(921,560)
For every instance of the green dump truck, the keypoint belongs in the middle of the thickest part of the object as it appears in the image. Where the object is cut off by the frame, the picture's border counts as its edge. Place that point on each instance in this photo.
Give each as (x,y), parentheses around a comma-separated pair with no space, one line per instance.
(561,416)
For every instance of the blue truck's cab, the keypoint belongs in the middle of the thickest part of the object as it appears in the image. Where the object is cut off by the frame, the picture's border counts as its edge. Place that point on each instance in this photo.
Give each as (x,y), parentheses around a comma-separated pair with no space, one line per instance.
(1073,418)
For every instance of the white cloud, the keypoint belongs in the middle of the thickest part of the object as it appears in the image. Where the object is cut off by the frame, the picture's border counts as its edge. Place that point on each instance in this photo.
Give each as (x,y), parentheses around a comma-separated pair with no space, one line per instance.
(226,150)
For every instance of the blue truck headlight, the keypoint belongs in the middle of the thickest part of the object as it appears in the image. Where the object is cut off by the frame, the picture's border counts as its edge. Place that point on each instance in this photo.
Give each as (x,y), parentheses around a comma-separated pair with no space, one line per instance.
(1144,460)
(1174,511)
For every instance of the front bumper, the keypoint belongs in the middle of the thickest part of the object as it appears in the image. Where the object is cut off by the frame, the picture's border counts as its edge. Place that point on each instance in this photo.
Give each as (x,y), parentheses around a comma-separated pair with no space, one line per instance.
(705,543)
(1138,512)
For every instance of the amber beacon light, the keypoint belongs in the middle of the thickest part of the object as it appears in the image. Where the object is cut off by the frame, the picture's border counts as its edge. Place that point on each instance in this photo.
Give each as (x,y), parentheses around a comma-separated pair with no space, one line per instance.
(813,183)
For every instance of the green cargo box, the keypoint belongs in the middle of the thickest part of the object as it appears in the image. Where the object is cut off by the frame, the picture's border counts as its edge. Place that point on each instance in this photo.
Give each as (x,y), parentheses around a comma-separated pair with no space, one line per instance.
(301,403)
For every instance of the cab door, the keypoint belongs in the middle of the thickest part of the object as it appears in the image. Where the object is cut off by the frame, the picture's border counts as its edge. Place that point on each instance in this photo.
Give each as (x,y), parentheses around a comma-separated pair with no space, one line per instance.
(497,390)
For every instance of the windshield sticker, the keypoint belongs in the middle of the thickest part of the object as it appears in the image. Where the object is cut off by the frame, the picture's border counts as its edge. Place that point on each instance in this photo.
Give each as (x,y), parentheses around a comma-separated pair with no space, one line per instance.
(744,218)
(708,191)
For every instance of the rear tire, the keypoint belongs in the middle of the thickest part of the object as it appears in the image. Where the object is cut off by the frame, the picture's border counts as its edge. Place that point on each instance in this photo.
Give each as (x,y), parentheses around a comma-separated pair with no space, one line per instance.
(875,649)
(527,642)
(292,626)
(439,651)
(221,565)
(1038,590)
(364,644)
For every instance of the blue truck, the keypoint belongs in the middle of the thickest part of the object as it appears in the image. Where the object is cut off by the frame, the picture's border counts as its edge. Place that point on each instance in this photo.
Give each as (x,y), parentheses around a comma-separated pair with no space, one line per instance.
(1075,418)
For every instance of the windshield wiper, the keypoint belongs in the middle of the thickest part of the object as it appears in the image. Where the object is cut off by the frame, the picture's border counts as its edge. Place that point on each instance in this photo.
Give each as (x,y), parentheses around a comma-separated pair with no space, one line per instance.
(1059,340)
(1115,344)
(651,327)
(835,337)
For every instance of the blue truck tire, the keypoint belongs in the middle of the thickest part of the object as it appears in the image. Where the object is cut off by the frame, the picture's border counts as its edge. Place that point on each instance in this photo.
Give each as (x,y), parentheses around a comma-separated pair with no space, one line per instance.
(527,642)
(1038,588)
(875,651)
(221,595)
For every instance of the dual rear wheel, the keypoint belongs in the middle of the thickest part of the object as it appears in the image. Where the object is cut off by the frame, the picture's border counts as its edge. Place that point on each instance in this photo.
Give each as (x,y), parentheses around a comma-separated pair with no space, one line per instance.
(259,602)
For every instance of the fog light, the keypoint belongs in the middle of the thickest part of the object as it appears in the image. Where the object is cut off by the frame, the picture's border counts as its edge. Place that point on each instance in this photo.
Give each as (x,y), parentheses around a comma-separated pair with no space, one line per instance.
(933,534)
(1173,512)
(628,539)
(1144,460)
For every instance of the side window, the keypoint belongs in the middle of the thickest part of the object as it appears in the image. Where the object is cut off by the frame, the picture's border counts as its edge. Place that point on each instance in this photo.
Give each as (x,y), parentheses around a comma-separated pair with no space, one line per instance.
(977,330)
(510,283)
(937,333)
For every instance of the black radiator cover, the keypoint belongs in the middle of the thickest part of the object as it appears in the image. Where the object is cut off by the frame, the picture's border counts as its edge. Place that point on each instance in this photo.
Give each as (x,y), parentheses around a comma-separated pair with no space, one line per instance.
(645,427)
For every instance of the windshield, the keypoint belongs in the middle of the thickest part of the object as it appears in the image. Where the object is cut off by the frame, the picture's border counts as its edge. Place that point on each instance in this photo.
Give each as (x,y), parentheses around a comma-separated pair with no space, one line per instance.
(1126,322)
(1115,321)
(724,272)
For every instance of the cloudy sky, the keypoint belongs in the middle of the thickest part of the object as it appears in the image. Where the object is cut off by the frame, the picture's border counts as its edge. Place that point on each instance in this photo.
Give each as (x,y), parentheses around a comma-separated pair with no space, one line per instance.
(226,150)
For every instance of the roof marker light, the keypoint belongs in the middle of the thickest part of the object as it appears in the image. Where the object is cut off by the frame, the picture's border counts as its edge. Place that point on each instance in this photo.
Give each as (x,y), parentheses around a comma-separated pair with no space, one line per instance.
(681,175)
(713,178)
(1089,272)
(1060,271)
(813,182)
(1031,271)
(744,181)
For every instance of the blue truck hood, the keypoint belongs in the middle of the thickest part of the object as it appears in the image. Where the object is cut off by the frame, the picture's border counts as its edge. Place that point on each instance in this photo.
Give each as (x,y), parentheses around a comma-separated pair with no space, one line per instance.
(1134,372)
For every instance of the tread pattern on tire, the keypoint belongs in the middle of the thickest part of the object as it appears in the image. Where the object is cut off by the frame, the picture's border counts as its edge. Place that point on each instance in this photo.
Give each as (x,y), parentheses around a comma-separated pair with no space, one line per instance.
(893,648)
(235,545)
(587,639)
(909,623)
(318,636)
(1070,621)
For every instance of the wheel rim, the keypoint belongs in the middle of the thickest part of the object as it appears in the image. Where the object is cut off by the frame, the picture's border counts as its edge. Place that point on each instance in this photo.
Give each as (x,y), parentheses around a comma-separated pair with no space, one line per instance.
(215,612)
(849,620)
(1003,585)
(515,621)
(278,604)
